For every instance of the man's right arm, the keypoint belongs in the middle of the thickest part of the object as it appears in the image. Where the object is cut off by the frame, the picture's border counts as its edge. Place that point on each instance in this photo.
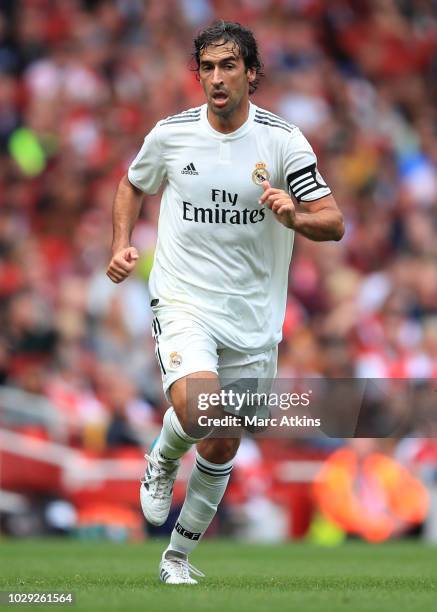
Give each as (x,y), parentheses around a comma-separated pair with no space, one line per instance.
(125,212)
(147,171)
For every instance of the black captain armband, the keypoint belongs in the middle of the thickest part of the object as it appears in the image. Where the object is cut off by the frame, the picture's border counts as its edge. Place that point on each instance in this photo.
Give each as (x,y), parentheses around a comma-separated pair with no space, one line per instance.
(305,182)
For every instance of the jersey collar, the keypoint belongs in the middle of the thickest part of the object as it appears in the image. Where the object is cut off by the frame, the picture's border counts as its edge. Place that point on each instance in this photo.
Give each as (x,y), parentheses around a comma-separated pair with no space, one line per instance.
(242,130)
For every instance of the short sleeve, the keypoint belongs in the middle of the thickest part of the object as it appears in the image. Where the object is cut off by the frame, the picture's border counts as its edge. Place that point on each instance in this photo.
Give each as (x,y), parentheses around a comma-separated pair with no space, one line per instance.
(304,181)
(147,171)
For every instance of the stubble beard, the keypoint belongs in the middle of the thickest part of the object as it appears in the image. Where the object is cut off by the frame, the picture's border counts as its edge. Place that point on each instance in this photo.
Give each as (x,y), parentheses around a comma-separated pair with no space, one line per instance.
(223,113)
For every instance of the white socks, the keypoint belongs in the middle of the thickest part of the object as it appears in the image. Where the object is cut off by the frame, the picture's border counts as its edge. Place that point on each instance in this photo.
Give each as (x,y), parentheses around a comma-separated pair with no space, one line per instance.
(205,490)
(173,441)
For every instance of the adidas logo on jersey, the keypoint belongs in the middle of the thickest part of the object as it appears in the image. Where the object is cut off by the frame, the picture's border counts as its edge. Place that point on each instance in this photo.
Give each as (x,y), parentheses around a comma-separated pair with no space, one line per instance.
(190,169)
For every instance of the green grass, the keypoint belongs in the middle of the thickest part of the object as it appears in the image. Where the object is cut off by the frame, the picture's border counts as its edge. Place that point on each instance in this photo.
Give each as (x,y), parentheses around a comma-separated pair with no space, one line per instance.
(354,577)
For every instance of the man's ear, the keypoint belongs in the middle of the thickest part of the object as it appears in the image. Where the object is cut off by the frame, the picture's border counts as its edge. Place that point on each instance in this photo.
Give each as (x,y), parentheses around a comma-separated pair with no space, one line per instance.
(251,75)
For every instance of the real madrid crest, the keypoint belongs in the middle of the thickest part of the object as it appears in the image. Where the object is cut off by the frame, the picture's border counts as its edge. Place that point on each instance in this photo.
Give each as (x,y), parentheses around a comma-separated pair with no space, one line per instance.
(175,360)
(260,173)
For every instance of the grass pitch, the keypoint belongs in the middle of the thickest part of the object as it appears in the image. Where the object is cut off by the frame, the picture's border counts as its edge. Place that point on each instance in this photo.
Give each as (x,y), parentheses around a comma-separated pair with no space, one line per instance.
(354,577)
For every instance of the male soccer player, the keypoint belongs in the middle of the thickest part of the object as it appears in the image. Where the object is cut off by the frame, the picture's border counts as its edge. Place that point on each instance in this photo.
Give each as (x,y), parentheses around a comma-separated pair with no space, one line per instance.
(239,182)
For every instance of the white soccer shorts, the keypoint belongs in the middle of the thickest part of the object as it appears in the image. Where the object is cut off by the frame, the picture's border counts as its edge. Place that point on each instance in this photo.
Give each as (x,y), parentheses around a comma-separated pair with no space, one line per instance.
(184,346)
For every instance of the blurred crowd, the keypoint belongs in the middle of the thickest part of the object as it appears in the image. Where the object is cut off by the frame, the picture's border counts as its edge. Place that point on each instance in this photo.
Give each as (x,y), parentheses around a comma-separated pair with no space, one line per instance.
(82,82)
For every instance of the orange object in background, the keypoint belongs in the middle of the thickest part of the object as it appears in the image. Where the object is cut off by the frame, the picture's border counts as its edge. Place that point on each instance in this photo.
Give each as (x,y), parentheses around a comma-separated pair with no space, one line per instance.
(112,517)
(372,496)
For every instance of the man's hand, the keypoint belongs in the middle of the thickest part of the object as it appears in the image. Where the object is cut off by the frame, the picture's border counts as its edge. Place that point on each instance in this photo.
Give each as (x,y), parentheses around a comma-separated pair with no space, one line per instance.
(122,264)
(318,220)
(280,203)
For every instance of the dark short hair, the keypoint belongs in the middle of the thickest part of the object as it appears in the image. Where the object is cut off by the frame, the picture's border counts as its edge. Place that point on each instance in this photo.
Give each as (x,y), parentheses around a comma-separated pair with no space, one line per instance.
(241,37)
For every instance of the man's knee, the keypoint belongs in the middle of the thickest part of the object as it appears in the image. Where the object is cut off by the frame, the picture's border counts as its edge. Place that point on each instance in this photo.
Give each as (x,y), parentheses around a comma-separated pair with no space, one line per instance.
(218,450)
(185,394)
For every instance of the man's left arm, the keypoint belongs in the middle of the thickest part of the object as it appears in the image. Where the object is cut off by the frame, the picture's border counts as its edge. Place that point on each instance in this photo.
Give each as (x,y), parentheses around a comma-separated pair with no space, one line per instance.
(307,206)
(318,220)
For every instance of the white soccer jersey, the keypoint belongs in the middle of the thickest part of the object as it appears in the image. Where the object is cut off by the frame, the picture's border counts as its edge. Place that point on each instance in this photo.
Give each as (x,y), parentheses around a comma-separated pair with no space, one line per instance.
(221,256)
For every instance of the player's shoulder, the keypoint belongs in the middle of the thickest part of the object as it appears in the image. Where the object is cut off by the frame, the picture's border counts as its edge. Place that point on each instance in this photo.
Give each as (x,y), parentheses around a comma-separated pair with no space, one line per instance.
(277,126)
(182,119)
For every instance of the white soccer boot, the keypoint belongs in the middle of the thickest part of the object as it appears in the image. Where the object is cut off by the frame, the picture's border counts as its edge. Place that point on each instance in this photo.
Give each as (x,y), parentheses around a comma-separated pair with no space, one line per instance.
(156,490)
(175,569)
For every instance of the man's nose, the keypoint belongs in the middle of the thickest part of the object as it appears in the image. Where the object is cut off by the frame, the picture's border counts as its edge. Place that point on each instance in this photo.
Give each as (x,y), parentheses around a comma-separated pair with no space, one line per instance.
(217,76)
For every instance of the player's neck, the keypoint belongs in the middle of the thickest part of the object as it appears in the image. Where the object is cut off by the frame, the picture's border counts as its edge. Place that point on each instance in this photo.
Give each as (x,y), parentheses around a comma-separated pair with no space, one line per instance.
(230,123)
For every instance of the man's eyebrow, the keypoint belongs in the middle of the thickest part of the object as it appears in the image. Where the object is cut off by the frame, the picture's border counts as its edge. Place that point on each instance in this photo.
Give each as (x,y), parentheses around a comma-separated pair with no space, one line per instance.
(229,58)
